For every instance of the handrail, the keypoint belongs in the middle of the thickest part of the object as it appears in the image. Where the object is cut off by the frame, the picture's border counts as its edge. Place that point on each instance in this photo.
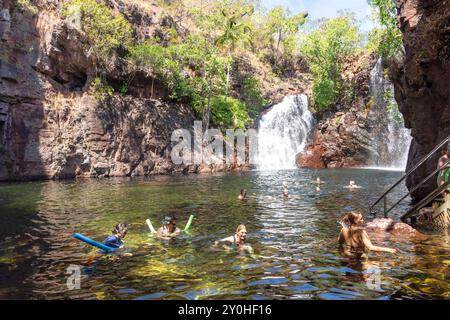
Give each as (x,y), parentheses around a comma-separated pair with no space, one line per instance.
(425,158)
(426,200)
(417,186)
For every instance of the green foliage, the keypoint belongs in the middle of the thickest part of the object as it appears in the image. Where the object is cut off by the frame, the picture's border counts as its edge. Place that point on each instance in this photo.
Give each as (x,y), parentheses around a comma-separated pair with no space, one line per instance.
(104,30)
(123,90)
(27,6)
(228,112)
(282,28)
(158,61)
(387,39)
(326,49)
(325,92)
(392,106)
(100,89)
(253,96)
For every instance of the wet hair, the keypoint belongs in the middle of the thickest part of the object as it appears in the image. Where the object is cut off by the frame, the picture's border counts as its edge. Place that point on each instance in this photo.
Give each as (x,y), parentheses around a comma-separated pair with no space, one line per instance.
(349,219)
(169,219)
(121,228)
(240,227)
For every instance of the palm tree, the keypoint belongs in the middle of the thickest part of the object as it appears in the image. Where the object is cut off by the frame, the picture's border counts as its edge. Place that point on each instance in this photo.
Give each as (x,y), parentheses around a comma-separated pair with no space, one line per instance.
(234,31)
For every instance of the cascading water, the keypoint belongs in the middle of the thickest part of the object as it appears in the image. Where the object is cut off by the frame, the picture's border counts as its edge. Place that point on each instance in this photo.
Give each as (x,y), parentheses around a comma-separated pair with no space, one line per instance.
(282,133)
(392,139)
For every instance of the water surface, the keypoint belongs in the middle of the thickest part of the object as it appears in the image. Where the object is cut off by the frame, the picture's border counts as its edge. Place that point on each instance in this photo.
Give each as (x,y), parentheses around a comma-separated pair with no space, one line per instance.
(294,239)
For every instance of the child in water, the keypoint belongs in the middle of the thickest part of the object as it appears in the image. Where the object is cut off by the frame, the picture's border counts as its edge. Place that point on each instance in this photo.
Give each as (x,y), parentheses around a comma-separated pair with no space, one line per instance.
(353,239)
(119,233)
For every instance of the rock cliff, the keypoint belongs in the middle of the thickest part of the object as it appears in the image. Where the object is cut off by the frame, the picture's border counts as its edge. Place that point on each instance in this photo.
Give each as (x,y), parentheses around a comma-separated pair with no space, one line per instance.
(51,126)
(357,132)
(421,80)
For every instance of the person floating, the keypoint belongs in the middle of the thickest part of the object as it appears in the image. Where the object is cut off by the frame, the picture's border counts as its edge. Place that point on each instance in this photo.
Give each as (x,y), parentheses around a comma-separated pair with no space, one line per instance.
(352,185)
(353,239)
(169,229)
(118,234)
(237,240)
(243,195)
(285,190)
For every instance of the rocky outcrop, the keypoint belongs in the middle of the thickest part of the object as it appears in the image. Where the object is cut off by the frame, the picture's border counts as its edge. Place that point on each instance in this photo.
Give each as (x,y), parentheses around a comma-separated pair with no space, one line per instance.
(421,81)
(50,124)
(380,226)
(344,137)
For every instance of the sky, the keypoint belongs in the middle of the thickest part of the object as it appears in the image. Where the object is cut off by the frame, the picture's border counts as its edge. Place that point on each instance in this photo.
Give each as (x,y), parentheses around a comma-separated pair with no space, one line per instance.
(326,8)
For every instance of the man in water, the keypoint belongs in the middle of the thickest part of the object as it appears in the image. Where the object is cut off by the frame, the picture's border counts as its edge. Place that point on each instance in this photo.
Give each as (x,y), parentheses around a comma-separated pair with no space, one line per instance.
(115,240)
(352,185)
(285,190)
(169,229)
(243,195)
(237,240)
(354,242)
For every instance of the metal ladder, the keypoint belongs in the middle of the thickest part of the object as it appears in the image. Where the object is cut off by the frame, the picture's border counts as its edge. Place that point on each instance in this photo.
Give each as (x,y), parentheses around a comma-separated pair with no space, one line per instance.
(430,197)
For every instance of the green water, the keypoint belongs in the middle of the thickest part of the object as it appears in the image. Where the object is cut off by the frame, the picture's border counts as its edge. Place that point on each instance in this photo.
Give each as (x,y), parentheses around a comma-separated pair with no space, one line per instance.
(294,240)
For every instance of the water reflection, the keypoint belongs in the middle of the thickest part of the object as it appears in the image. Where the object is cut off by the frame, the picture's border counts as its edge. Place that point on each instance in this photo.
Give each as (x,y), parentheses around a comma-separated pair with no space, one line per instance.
(294,240)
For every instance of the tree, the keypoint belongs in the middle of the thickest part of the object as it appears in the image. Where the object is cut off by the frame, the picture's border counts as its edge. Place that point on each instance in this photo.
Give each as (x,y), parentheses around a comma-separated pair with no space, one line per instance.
(104,30)
(234,31)
(386,39)
(325,49)
(280,27)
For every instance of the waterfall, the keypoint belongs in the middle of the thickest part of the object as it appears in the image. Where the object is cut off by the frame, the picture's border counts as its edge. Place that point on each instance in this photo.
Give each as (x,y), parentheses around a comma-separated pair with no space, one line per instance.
(282,133)
(391,138)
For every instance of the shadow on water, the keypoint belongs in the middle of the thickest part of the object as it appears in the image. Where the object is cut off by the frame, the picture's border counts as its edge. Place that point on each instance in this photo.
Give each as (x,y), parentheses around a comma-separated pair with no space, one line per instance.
(294,240)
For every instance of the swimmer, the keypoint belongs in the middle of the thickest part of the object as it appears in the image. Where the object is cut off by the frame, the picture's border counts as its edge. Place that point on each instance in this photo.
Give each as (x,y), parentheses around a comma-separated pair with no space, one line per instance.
(115,240)
(353,239)
(285,190)
(169,229)
(318,189)
(318,181)
(352,185)
(243,195)
(238,239)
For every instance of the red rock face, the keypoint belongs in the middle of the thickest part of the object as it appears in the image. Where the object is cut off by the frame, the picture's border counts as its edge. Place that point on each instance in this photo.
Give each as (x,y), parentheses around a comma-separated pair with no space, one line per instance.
(51,127)
(421,81)
(342,139)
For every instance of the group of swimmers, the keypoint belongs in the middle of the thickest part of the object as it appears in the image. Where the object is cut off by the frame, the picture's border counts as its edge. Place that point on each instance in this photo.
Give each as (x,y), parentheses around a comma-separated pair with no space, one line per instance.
(352,185)
(353,239)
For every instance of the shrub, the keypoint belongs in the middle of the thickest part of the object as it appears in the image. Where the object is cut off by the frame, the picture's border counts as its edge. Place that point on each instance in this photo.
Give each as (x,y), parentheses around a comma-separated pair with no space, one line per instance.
(100,88)
(104,30)
(253,96)
(228,112)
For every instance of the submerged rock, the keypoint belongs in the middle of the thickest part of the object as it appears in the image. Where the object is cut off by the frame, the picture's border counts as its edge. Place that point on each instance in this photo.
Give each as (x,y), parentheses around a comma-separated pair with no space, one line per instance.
(387,225)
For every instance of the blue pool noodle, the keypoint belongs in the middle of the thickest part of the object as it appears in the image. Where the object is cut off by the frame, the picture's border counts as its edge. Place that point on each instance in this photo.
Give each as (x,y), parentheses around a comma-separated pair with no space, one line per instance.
(93,243)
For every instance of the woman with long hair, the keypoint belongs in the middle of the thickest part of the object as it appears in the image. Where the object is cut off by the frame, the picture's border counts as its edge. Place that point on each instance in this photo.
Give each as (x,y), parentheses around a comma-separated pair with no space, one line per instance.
(353,239)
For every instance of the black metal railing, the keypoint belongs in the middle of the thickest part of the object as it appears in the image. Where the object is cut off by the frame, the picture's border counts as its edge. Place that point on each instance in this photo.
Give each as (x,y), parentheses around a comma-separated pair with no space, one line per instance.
(423,160)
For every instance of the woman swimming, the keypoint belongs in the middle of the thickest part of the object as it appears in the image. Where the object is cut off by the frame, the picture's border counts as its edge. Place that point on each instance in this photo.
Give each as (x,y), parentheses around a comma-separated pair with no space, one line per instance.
(237,240)
(353,239)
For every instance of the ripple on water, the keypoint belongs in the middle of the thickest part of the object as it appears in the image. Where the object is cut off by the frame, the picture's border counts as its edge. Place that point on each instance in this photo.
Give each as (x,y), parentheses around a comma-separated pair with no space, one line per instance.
(294,239)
